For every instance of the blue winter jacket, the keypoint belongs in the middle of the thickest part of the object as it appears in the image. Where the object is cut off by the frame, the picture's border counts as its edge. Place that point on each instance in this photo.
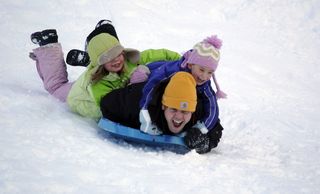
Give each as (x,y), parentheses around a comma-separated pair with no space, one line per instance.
(164,69)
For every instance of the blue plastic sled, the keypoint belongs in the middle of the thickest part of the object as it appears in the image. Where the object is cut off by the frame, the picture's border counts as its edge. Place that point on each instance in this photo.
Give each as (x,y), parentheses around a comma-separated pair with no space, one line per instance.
(135,135)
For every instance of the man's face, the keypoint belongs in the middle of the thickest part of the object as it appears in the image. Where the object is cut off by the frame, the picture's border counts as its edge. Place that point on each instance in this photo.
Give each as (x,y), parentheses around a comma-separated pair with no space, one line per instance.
(176,119)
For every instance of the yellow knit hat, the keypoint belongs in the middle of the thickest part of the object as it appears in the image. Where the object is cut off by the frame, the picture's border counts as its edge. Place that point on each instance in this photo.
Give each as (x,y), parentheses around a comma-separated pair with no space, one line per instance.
(180,92)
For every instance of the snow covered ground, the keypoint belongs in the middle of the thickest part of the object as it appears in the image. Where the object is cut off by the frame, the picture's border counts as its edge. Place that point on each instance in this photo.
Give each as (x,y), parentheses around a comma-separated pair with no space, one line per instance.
(270,69)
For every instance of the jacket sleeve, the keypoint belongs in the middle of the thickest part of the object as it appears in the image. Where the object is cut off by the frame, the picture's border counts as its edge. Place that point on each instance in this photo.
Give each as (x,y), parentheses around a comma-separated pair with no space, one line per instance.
(152,55)
(163,72)
(122,105)
(211,109)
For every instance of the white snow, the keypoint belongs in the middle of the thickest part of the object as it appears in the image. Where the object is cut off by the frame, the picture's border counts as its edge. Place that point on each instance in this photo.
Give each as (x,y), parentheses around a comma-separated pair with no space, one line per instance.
(269,67)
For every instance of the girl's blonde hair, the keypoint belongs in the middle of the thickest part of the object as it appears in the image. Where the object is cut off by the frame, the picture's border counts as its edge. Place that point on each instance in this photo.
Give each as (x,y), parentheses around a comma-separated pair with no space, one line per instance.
(99,74)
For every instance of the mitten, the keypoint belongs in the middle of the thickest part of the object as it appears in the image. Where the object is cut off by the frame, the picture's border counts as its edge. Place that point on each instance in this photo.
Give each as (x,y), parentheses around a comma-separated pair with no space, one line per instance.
(215,135)
(146,124)
(194,139)
(140,74)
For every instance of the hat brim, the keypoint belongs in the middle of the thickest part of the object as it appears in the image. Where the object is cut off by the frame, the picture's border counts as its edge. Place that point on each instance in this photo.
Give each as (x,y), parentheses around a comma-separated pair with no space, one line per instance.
(110,54)
(132,55)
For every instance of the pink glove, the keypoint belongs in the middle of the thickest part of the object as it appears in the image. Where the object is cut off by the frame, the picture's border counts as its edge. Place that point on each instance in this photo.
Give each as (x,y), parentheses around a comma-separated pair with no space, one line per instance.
(140,74)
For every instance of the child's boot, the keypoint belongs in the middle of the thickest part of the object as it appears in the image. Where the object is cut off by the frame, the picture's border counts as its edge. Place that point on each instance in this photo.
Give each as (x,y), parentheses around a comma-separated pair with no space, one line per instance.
(44,37)
(103,22)
(78,58)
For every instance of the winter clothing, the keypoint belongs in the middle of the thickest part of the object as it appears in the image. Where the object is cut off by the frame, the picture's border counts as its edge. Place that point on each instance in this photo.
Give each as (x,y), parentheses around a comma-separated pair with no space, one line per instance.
(219,92)
(141,74)
(122,105)
(215,135)
(77,57)
(206,53)
(52,70)
(44,37)
(104,47)
(203,142)
(194,139)
(115,50)
(165,69)
(180,93)
(103,26)
(147,126)
(200,125)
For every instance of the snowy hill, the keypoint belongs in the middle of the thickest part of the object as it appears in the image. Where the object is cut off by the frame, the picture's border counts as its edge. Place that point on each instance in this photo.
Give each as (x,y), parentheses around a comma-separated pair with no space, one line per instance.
(269,67)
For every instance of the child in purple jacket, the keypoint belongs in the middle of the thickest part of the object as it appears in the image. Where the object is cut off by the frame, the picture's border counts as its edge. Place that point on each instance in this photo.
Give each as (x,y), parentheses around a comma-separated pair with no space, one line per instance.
(201,62)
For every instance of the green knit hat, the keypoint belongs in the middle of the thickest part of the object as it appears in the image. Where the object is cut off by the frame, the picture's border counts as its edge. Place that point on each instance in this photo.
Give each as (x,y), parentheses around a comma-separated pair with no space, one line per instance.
(104,47)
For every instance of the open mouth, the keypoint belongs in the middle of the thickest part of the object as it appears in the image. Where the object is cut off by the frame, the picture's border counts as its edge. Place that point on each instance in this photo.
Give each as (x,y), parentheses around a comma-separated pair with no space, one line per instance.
(177,123)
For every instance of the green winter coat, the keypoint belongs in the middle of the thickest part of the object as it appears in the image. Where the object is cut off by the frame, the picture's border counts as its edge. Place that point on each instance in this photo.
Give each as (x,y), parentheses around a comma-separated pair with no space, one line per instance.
(84,96)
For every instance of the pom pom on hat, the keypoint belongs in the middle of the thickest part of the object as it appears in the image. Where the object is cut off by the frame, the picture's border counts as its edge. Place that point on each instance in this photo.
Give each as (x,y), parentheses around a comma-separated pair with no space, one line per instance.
(181,93)
(214,41)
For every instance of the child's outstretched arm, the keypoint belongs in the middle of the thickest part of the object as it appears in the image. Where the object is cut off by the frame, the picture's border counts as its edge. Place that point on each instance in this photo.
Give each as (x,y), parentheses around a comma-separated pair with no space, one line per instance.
(210,105)
(153,55)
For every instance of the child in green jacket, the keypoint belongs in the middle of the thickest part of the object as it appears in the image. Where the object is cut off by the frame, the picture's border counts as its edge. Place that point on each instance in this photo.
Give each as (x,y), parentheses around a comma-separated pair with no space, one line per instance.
(111,66)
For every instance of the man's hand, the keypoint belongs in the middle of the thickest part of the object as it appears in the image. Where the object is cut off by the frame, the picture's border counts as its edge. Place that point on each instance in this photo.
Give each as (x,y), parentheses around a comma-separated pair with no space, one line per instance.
(194,139)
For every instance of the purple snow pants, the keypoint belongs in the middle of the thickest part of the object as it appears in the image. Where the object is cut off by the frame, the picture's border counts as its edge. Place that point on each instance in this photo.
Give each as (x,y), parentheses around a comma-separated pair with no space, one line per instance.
(52,70)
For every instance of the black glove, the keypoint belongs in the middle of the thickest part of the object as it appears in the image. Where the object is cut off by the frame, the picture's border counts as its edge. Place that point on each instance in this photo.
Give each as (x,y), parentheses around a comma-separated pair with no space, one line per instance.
(194,139)
(215,135)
